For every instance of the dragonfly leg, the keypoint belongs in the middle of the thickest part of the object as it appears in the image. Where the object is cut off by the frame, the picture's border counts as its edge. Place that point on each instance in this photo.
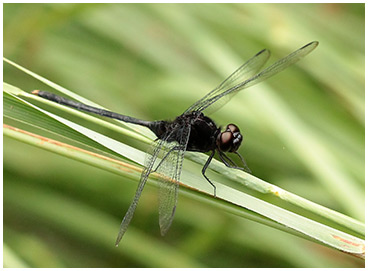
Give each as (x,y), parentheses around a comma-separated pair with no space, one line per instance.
(247,169)
(204,171)
(223,157)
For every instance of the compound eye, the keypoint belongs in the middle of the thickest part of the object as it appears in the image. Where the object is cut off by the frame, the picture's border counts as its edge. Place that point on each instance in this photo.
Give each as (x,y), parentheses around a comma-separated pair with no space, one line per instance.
(230,140)
(225,141)
(233,128)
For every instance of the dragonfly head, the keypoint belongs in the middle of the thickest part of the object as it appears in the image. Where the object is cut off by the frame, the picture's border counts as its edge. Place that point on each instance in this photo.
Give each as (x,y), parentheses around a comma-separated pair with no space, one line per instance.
(230,139)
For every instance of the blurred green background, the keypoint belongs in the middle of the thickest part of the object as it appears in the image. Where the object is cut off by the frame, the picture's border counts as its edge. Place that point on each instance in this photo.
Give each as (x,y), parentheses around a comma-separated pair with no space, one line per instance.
(152,61)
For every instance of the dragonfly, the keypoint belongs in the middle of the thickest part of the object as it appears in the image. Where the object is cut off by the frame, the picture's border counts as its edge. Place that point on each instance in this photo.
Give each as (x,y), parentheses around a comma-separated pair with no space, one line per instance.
(191,131)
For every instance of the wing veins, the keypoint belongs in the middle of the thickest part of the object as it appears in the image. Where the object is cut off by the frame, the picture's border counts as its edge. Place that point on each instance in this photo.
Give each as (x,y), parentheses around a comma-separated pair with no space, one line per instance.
(247,70)
(271,70)
(144,176)
(169,188)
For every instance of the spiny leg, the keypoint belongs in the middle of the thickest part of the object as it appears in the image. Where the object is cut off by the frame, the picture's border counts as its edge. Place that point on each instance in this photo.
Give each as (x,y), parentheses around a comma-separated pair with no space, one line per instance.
(223,157)
(204,171)
(247,169)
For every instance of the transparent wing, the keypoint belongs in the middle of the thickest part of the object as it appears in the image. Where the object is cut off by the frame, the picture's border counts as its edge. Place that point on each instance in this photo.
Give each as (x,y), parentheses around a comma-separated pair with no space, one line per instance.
(151,158)
(226,94)
(165,158)
(245,71)
(170,170)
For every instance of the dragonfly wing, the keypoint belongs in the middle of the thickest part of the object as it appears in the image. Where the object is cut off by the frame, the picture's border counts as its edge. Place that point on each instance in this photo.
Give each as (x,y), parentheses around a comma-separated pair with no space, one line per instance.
(275,68)
(245,71)
(169,172)
(151,157)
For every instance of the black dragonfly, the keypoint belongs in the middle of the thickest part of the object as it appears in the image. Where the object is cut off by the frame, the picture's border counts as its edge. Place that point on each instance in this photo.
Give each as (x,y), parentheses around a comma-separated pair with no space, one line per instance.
(191,131)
